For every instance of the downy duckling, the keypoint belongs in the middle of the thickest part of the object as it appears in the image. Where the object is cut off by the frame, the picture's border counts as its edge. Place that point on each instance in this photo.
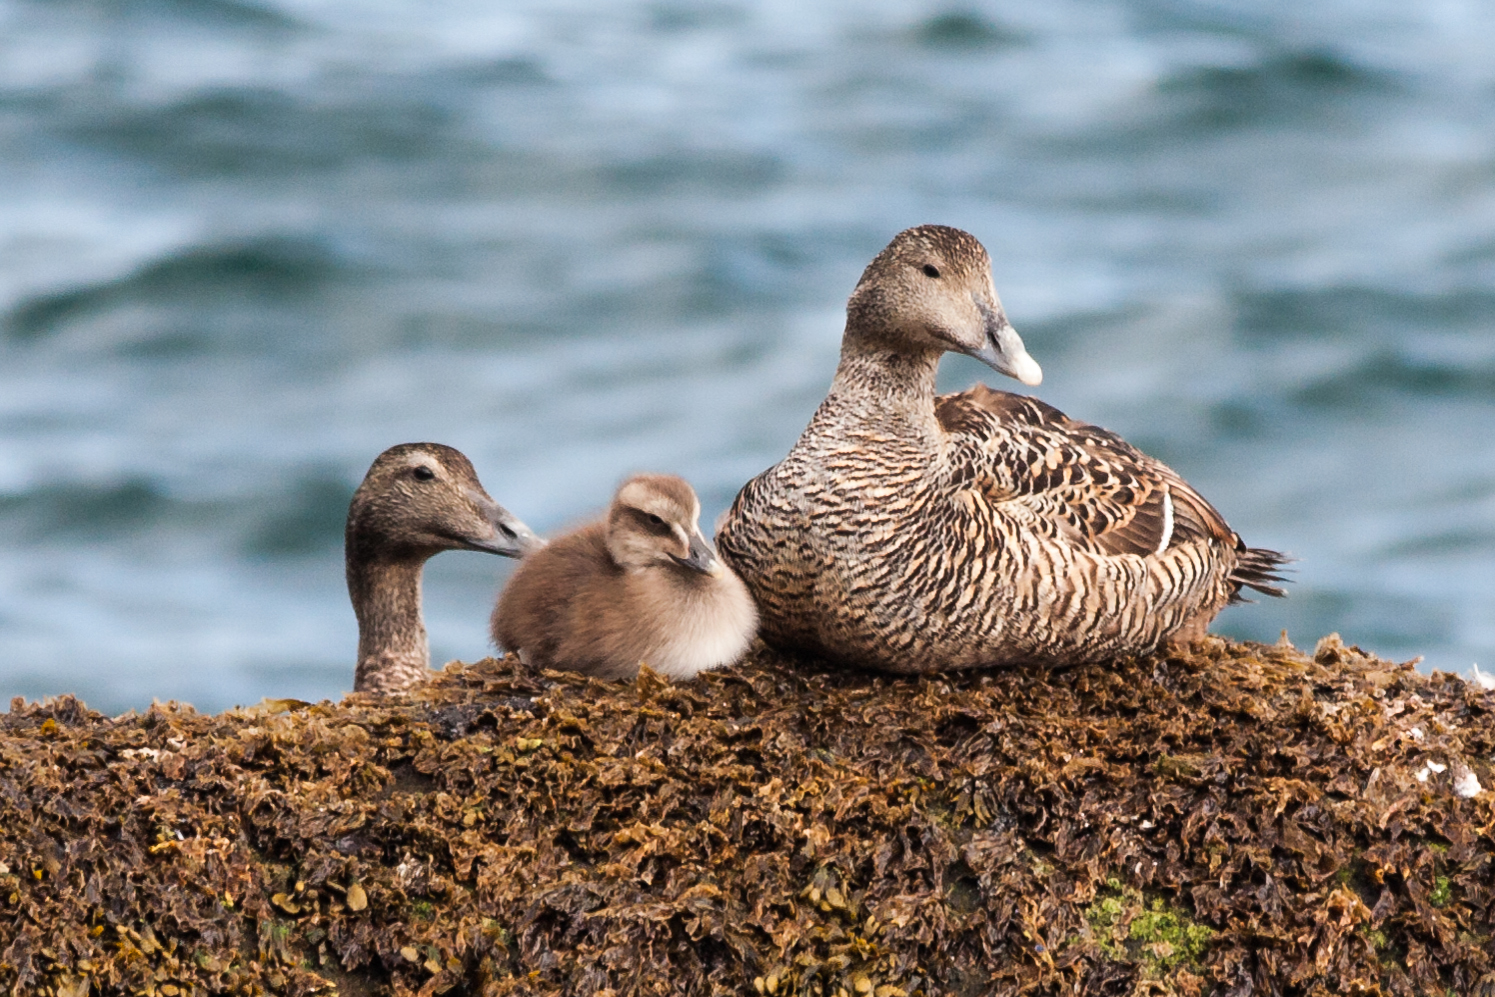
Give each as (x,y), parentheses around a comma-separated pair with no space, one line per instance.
(642,585)
(418,499)
(911,533)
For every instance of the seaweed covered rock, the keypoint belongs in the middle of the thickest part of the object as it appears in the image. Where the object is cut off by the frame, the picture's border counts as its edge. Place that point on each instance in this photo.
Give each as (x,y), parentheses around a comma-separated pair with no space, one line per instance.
(1244,819)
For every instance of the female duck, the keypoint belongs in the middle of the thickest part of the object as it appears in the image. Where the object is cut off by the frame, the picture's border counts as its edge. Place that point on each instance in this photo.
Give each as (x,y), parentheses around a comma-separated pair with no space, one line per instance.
(417,500)
(912,533)
(642,585)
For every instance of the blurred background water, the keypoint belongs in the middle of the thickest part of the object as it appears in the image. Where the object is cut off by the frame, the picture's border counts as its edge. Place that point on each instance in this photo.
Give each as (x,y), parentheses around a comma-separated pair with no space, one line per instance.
(247,244)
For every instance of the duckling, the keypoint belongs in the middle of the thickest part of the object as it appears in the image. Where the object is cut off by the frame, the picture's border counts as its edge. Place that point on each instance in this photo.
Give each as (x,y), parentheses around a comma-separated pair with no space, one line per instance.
(910,533)
(418,499)
(641,585)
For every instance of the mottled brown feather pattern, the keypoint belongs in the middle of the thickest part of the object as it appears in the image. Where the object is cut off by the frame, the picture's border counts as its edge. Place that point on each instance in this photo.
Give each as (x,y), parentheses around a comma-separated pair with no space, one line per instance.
(915,534)
(416,500)
(1109,492)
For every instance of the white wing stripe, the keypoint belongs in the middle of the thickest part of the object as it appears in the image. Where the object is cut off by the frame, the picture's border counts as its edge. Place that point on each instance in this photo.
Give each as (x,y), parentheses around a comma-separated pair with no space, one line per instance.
(1167,520)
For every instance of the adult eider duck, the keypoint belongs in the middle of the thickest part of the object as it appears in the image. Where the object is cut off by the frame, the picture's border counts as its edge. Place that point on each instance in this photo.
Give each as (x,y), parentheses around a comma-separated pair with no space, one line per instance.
(641,585)
(910,533)
(418,499)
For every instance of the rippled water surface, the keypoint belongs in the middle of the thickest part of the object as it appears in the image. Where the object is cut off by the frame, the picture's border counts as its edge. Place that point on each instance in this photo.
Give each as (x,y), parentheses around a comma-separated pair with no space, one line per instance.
(244,246)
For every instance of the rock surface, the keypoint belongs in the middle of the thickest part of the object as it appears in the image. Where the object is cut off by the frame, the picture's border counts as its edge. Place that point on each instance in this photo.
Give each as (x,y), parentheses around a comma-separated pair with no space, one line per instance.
(1242,819)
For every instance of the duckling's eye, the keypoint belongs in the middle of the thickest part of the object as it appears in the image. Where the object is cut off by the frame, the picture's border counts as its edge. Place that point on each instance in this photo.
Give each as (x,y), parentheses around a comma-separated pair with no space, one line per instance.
(930,270)
(649,522)
(423,473)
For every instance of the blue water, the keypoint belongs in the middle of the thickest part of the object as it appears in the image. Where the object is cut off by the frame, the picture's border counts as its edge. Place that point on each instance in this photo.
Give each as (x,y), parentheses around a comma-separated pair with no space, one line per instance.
(244,246)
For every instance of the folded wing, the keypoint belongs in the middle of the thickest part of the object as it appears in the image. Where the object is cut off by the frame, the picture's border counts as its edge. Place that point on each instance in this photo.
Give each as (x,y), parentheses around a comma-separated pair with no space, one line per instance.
(1086,484)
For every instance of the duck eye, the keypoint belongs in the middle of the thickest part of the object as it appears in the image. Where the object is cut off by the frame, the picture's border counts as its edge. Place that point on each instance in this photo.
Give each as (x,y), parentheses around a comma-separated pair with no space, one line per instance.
(423,473)
(655,520)
(930,270)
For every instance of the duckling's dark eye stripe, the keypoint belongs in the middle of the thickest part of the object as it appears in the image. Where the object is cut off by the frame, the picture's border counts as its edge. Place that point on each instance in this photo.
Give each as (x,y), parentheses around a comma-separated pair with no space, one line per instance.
(651,522)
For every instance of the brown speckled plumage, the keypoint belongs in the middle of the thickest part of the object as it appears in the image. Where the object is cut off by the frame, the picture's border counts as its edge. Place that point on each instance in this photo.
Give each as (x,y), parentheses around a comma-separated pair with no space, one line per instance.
(417,500)
(915,534)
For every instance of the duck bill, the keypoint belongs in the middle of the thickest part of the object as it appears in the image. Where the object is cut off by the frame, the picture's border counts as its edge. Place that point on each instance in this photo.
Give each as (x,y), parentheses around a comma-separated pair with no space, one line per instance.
(1004,353)
(506,536)
(700,558)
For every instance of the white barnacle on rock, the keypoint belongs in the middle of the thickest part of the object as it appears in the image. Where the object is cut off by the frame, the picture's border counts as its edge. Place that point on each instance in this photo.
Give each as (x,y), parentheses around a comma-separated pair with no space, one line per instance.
(1466,783)
(1429,768)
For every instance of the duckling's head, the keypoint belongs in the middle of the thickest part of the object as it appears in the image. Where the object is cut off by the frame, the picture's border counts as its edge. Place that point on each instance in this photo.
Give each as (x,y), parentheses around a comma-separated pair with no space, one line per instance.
(654,520)
(931,289)
(422,498)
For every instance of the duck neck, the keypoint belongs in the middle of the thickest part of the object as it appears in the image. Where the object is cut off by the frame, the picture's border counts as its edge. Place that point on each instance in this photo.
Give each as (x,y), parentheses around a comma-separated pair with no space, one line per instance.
(888,390)
(392,649)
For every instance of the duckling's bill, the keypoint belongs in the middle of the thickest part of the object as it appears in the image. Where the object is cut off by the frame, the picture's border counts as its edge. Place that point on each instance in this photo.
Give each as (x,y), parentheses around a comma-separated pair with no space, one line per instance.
(700,558)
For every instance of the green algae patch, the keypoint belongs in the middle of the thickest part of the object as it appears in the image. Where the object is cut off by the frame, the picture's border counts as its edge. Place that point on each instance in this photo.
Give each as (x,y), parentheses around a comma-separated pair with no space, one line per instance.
(1155,936)
(1238,819)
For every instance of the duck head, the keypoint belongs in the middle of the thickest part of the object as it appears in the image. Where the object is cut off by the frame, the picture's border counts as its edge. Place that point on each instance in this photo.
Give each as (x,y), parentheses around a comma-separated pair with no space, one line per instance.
(931,290)
(654,520)
(421,498)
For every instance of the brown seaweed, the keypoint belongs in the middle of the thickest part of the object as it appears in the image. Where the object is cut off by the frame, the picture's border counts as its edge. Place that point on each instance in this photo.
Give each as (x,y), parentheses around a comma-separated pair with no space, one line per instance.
(1243,819)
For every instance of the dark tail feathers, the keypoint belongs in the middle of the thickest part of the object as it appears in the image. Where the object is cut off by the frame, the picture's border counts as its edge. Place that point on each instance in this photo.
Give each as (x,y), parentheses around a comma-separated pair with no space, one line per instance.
(1257,567)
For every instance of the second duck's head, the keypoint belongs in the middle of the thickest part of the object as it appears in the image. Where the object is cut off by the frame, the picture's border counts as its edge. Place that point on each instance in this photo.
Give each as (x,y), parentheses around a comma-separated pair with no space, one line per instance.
(931,290)
(422,498)
(654,520)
